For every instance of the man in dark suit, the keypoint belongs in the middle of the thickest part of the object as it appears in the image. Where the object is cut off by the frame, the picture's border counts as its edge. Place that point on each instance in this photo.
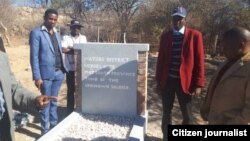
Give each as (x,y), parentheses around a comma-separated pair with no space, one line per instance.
(180,67)
(47,65)
(13,94)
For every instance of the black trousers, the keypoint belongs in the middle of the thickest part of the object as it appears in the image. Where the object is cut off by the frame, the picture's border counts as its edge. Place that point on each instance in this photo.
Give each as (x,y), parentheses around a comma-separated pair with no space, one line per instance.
(70,80)
(5,134)
(168,96)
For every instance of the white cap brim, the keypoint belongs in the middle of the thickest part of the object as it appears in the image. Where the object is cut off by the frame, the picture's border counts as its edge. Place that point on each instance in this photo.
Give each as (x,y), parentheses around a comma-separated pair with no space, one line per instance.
(178,14)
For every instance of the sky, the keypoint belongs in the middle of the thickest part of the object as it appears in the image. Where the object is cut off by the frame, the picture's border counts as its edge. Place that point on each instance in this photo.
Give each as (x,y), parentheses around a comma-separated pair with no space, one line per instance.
(26,2)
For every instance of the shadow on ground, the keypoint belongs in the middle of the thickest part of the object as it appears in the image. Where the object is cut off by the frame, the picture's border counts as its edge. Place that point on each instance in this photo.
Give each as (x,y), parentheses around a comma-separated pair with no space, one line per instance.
(61,111)
(28,132)
(35,124)
(151,138)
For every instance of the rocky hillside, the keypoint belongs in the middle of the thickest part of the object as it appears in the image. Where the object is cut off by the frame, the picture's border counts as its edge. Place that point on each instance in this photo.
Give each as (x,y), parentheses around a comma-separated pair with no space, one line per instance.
(28,18)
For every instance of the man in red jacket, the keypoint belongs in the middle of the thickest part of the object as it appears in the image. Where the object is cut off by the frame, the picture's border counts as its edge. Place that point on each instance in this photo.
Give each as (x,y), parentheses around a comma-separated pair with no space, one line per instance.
(180,67)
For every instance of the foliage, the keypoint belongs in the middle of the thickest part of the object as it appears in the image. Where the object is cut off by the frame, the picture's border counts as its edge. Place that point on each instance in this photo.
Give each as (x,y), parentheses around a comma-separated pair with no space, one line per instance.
(6,13)
(145,20)
(211,17)
(124,11)
(73,8)
(153,21)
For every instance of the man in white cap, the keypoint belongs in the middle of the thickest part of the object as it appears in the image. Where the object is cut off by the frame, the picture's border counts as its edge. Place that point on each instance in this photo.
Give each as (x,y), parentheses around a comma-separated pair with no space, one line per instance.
(68,50)
(180,67)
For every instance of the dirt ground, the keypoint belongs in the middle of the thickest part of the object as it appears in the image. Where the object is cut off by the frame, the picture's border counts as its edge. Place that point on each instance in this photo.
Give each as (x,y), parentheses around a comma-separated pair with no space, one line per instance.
(19,59)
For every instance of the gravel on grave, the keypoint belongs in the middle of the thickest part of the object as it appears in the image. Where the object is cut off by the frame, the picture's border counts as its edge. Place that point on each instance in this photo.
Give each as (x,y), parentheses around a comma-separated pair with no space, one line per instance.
(88,127)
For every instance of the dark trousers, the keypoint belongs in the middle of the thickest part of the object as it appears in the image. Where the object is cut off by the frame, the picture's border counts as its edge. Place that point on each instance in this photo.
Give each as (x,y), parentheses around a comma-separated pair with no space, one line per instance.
(70,80)
(5,134)
(168,96)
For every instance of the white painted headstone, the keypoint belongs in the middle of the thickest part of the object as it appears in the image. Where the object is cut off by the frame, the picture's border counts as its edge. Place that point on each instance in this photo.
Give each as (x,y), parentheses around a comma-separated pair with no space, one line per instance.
(109,78)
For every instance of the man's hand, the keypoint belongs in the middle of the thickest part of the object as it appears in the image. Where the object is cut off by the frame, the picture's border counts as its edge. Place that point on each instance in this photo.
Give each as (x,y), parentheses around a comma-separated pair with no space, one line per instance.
(197,92)
(38,83)
(69,50)
(42,101)
(158,89)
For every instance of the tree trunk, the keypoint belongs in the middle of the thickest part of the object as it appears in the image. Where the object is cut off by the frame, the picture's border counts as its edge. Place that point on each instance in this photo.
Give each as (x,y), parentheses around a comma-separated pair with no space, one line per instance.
(5,33)
(215,44)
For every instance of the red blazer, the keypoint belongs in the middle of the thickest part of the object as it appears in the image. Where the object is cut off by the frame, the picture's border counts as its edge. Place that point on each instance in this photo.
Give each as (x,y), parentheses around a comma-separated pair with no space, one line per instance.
(192,60)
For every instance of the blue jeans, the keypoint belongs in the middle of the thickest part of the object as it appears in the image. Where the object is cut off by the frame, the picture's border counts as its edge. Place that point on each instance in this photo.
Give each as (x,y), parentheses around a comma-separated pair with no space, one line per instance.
(51,87)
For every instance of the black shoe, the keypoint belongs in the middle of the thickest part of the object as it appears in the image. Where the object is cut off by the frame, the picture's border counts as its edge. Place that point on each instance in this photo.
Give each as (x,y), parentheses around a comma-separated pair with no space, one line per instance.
(52,126)
(44,132)
(69,111)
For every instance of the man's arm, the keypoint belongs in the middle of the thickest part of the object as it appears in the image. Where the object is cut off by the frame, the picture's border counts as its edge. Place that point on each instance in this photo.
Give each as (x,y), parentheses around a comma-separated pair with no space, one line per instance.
(66,48)
(25,101)
(34,41)
(159,64)
(34,58)
(84,39)
(199,68)
(22,99)
(244,116)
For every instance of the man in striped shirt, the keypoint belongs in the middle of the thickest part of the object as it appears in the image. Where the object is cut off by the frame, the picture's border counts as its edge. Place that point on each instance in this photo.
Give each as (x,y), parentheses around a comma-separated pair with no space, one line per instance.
(180,67)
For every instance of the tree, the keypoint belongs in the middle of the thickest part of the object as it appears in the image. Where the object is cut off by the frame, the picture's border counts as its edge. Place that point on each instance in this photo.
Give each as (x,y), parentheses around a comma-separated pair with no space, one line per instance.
(6,19)
(44,3)
(211,17)
(215,18)
(124,10)
(153,19)
(74,8)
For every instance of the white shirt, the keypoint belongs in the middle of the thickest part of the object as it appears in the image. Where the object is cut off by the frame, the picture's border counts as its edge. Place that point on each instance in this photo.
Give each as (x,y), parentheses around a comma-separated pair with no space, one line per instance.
(69,41)
(45,29)
(182,30)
